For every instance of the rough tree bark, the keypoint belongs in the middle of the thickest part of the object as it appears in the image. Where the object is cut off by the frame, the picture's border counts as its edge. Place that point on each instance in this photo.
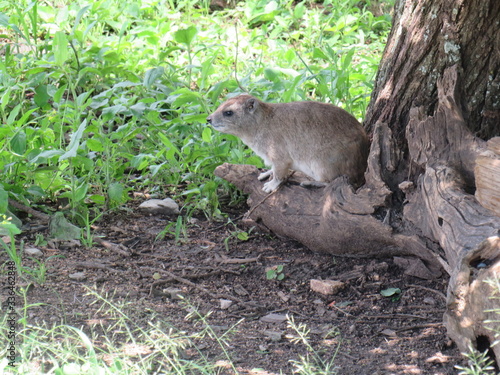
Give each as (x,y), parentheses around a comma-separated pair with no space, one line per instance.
(435,103)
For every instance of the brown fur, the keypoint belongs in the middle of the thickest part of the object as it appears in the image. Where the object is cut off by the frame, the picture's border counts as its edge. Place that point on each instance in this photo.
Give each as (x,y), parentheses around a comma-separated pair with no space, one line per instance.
(318,139)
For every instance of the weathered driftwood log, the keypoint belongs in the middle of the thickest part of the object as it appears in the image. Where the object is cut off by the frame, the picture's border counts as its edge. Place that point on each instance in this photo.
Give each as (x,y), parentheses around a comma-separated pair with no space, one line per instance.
(440,222)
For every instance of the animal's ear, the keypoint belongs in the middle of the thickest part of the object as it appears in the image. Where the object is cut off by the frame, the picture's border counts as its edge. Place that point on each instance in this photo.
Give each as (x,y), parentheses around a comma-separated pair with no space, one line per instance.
(251,105)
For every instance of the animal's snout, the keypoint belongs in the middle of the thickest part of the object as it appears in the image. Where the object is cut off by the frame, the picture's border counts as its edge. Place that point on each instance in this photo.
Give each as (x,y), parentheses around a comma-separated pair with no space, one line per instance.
(209,119)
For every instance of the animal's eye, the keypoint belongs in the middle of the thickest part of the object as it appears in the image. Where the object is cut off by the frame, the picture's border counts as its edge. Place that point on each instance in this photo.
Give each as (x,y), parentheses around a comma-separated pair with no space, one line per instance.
(228,113)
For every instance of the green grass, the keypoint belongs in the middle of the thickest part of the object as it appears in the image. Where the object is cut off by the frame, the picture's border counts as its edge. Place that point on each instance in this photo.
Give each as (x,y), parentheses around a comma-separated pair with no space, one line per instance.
(102,98)
(113,344)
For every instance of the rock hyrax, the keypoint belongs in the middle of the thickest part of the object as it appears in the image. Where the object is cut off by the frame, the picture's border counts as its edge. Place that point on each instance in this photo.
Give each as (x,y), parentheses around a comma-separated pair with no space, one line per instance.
(317,139)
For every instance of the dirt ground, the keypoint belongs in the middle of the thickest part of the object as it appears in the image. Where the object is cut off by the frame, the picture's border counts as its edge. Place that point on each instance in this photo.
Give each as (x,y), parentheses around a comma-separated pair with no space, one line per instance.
(370,333)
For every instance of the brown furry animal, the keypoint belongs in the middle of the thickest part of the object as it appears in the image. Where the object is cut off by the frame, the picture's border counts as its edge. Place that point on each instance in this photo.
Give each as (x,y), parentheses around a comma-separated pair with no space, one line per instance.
(320,140)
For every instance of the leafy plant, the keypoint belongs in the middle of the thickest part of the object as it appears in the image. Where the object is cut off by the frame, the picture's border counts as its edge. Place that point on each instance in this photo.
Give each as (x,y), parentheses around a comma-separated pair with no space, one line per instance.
(102,98)
(393,293)
(10,230)
(275,273)
(479,364)
(238,234)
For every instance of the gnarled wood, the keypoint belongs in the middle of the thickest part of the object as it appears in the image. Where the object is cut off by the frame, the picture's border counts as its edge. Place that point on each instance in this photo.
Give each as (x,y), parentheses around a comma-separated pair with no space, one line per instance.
(487,175)
(437,91)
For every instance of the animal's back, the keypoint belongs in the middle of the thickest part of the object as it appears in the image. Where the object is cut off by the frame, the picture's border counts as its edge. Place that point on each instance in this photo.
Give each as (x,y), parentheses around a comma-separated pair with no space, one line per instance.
(324,141)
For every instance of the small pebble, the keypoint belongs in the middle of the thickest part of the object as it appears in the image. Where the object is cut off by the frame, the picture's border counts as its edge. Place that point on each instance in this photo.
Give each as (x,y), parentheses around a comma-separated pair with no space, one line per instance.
(78,276)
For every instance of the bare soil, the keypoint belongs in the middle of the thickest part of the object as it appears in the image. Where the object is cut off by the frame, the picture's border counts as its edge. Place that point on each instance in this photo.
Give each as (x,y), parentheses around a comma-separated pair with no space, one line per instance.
(370,333)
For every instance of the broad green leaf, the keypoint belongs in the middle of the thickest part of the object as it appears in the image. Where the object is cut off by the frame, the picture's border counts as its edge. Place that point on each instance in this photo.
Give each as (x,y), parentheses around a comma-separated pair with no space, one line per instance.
(60,48)
(299,11)
(389,292)
(41,96)
(81,191)
(185,36)
(243,236)
(13,114)
(152,75)
(4,20)
(36,191)
(59,93)
(75,142)
(115,192)
(5,99)
(271,74)
(347,58)
(206,135)
(18,143)
(25,117)
(46,155)
(99,199)
(167,143)
(319,54)
(95,145)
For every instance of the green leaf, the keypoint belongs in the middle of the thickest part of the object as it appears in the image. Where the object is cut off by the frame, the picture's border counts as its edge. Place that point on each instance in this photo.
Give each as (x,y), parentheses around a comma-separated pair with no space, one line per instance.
(319,54)
(13,114)
(270,274)
(4,200)
(36,191)
(75,142)
(152,75)
(206,135)
(185,36)
(79,16)
(243,236)
(60,48)
(81,191)
(346,61)
(271,74)
(46,155)
(390,292)
(4,20)
(95,145)
(18,143)
(115,192)
(299,11)
(41,96)
(98,199)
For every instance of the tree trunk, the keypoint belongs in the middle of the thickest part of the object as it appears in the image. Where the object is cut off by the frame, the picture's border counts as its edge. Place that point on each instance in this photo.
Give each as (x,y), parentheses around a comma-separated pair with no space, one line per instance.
(435,102)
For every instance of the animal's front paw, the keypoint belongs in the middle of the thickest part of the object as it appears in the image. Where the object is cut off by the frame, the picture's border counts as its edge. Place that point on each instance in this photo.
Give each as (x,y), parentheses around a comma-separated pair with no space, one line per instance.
(265,175)
(271,186)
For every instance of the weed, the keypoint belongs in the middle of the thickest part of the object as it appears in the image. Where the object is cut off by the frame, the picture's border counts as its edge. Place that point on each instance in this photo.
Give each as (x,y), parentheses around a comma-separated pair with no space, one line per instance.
(10,230)
(393,293)
(275,273)
(479,364)
(98,99)
(237,234)
(314,363)
(122,346)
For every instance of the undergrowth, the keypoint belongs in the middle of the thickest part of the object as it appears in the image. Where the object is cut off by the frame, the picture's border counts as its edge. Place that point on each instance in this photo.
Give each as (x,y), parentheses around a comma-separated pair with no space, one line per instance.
(101,99)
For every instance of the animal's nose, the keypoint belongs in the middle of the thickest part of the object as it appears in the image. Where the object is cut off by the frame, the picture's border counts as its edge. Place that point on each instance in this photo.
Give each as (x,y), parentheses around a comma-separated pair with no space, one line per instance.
(209,120)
